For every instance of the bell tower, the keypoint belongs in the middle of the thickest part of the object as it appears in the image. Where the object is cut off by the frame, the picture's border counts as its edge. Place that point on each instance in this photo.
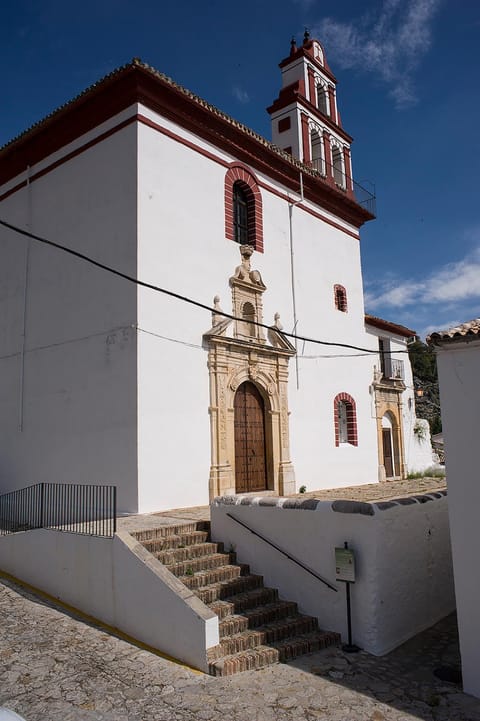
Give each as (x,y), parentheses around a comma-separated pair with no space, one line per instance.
(305,118)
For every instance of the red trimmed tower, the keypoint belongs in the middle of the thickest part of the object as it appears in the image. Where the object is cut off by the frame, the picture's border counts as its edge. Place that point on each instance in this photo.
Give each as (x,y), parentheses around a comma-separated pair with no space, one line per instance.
(305,118)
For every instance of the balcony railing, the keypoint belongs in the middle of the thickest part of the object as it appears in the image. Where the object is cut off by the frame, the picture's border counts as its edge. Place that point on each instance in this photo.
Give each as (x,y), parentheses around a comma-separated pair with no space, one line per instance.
(393,369)
(333,174)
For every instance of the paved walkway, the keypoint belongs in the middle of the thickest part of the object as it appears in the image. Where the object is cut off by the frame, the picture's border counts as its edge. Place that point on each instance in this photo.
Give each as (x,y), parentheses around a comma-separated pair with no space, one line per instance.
(56,667)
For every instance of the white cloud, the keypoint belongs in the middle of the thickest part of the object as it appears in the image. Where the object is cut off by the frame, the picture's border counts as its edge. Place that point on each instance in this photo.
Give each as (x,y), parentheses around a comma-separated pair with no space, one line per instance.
(390,44)
(241,95)
(449,285)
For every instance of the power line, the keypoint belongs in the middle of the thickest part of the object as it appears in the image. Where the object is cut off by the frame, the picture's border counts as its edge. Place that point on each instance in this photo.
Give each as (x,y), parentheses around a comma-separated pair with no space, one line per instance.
(184,298)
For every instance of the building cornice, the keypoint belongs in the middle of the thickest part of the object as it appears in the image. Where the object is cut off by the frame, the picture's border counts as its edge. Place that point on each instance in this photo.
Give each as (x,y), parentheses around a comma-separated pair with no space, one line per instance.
(303,52)
(388,326)
(293,94)
(139,83)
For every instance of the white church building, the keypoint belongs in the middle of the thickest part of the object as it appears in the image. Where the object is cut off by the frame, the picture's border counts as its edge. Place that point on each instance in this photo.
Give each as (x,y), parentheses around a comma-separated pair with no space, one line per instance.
(107,381)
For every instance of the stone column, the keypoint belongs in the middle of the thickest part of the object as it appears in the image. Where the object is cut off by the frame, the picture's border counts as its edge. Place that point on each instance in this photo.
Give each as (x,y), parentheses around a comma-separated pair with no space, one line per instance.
(347,162)
(328,158)
(331,99)
(307,156)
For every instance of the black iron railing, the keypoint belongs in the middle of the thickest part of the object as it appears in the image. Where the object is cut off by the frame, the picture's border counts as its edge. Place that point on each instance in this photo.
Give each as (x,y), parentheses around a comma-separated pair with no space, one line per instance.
(343,181)
(87,509)
(284,553)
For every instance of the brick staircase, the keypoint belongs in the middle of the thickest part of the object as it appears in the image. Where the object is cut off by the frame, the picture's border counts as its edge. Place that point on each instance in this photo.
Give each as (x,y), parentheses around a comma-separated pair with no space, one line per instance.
(256,627)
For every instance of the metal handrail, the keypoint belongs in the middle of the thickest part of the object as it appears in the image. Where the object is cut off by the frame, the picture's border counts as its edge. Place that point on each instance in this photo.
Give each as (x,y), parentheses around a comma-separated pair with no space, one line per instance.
(331,173)
(75,508)
(288,555)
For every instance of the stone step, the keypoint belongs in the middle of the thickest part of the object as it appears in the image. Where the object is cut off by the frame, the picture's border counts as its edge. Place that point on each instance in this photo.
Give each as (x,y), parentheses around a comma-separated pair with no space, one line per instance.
(225,589)
(241,602)
(214,575)
(269,613)
(259,616)
(165,531)
(256,627)
(204,563)
(266,635)
(197,550)
(264,655)
(181,540)
(246,661)
(309,643)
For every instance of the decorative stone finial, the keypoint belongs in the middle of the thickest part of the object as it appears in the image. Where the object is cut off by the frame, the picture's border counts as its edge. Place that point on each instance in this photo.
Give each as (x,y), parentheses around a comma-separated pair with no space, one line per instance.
(246,251)
(243,271)
(306,36)
(276,321)
(217,314)
(293,46)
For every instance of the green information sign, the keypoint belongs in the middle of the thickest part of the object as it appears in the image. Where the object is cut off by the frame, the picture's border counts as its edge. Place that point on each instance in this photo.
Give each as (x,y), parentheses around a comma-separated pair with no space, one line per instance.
(345,565)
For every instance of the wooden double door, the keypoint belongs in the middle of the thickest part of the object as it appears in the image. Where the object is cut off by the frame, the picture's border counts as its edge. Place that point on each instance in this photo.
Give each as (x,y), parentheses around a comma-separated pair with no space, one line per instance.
(250,446)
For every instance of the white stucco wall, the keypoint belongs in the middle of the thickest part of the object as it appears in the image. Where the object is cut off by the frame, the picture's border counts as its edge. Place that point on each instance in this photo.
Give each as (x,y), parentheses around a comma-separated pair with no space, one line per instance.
(182,246)
(77,419)
(117,582)
(458,374)
(404,576)
(418,450)
(115,381)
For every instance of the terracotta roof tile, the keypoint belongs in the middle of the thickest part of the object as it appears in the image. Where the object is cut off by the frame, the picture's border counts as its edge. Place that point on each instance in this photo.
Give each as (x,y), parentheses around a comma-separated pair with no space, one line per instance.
(463,332)
(388,326)
(136,62)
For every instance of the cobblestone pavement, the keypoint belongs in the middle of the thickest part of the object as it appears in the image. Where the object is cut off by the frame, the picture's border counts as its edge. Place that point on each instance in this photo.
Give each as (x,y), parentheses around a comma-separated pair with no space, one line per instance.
(56,667)
(368,492)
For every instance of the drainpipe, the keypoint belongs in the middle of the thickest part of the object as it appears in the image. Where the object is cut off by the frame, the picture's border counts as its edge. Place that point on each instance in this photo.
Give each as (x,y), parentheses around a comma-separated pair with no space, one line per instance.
(24,318)
(291,206)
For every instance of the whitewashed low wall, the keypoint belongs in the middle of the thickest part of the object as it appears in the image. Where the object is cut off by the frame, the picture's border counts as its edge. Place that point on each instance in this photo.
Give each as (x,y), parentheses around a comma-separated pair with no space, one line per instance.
(117,582)
(404,580)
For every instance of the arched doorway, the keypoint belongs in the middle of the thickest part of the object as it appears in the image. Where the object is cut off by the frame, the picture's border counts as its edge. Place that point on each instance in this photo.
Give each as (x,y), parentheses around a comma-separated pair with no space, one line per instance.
(250,447)
(388,444)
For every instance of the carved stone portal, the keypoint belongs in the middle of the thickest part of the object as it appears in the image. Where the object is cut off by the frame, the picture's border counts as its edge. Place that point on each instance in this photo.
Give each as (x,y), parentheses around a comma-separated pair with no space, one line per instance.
(390,435)
(239,353)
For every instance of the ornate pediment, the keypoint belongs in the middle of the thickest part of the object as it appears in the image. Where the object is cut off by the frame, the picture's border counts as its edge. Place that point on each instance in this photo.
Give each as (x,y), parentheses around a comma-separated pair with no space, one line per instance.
(247,308)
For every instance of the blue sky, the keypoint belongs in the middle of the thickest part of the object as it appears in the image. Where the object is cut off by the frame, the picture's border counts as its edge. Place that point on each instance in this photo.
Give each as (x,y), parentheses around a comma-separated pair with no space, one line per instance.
(408,93)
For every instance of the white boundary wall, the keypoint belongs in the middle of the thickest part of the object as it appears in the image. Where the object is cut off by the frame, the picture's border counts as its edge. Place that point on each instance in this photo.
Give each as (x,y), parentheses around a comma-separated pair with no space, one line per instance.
(404,570)
(458,372)
(117,582)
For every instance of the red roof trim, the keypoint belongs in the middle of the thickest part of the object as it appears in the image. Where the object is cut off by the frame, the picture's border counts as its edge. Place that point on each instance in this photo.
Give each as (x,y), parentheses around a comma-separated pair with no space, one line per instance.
(137,83)
(388,326)
(151,124)
(294,96)
(302,52)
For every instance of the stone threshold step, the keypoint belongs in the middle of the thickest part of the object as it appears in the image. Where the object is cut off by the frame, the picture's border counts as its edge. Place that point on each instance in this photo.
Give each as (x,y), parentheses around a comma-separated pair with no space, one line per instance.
(203,563)
(266,635)
(215,575)
(266,655)
(198,550)
(244,601)
(226,589)
(183,540)
(167,530)
(256,617)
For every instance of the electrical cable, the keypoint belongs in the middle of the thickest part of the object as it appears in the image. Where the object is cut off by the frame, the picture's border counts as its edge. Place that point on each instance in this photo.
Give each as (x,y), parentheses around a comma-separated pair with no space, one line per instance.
(184,298)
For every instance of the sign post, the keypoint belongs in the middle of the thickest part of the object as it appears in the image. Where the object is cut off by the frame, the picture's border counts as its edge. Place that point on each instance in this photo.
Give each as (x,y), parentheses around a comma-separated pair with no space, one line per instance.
(345,571)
